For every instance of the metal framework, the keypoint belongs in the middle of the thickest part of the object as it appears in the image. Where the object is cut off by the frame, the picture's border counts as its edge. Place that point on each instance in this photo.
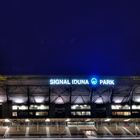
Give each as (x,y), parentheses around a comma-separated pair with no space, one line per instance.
(36,90)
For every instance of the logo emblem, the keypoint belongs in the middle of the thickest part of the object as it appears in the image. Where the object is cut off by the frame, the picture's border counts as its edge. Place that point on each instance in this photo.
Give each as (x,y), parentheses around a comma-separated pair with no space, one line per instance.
(94,81)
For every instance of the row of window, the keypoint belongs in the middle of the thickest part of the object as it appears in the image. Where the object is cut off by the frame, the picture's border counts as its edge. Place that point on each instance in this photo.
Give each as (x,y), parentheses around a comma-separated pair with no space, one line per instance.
(121,113)
(127,107)
(80,107)
(42,113)
(125,113)
(45,113)
(80,113)
(73,113)
(45,107)
(73,107)
(31,107)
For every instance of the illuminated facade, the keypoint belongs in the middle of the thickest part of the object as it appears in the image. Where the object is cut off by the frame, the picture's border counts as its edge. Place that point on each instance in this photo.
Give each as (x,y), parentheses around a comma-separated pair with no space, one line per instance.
(69,97)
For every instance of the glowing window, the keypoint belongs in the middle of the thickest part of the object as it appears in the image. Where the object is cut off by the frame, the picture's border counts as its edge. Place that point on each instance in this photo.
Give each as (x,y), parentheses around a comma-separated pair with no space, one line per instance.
(81,113)
(120,107)
(19,107)
(14,114)
(38,107)
(80,107)
(121,113)
(41,113)
(137,107)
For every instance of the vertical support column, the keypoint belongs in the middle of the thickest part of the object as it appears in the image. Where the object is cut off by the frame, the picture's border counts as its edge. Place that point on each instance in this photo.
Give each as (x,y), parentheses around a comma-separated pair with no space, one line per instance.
(49,95)
(91,105)
(7,106)
(28,101)
(108,106)
(70,91)
(110,102)
(51,105)
(6,90)
(131,99)
(49,100)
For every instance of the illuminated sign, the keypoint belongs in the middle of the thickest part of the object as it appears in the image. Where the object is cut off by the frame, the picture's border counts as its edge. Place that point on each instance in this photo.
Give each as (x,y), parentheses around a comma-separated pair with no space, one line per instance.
(93,81)
(69,82)
(107,82)
(60,82)
(80,82)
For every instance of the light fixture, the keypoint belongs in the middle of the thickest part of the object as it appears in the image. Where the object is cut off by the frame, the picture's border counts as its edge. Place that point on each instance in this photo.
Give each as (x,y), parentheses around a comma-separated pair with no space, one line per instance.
(88,120)
(47,120)
(39,99)
(137,99)
(117,100)
(126,120)
(59,100)
(107,120)
(67,120)
(19,100)
(2,100)
(99,101)
(27,120)
(7,120)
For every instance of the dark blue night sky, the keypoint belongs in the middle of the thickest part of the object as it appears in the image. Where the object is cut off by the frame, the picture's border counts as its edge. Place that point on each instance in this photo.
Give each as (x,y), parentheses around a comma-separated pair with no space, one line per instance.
(70,37)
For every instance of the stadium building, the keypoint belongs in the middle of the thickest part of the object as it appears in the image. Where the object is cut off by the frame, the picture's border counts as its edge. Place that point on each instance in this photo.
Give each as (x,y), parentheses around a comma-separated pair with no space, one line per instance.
(69,106)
